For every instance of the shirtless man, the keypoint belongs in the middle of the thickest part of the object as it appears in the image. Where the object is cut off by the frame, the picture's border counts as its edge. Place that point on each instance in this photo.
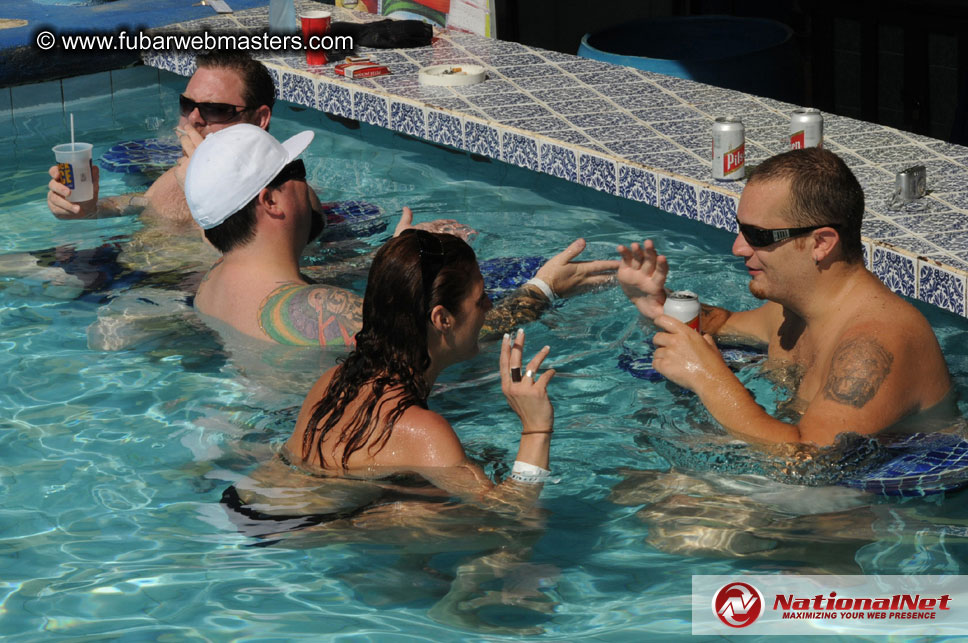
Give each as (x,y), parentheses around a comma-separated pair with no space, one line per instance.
(226,89)
(248,193)
(863,358)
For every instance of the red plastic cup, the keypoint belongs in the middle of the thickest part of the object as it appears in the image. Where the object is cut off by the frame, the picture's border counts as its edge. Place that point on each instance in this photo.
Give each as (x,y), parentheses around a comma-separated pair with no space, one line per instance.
(315,23)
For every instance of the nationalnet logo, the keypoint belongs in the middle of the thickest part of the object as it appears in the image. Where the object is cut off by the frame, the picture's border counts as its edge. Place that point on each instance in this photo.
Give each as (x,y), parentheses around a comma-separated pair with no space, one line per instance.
(835,605)
(738,604)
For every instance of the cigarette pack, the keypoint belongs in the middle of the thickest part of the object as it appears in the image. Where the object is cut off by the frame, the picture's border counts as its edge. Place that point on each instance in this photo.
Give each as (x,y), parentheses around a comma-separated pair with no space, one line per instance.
(360,68)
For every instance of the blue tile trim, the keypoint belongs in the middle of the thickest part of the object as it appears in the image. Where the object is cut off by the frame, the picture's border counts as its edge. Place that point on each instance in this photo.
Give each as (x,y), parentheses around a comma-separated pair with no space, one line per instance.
(370,109)
(559,161)
(408,119)
(599,173)
(718,210)
(895,270)
(298,89)
(445,129)
(482,139)
(334,99)
(678,197)
(637,184)
(941,288)
(519,150)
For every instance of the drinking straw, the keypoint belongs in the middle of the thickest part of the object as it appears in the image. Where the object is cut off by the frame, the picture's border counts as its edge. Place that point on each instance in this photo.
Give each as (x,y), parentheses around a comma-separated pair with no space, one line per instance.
(73,149)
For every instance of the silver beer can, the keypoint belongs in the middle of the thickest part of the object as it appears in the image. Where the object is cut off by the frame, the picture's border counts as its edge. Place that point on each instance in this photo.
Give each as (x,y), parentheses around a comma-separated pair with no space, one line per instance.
(806,128)
(729,148)
(684,306)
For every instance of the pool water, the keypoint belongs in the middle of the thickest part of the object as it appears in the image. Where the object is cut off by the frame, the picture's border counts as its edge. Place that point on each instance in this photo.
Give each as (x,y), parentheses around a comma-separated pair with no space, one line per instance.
(114,461)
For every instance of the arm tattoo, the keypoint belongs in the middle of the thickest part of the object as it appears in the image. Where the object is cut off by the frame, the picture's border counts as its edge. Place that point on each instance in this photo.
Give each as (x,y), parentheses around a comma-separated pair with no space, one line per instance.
(524,305)
(301,315)
(858,369)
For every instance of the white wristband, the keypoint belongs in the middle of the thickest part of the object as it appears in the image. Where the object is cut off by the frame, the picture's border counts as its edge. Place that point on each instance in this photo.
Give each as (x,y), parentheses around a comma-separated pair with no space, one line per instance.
(528,473)
(543,287)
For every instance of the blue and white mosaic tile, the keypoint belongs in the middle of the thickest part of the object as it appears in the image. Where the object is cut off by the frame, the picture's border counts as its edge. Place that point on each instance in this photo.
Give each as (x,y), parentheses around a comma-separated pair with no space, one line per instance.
(335,99)
(592,106)
(637,184)
(719,210)
(559,161)
(516,112)
(614,119)
(598,173)
(445,129)
(934,222)
(519,150)
(636,102)
(370,109)
(641,147)
(565,95)
(895,270)
(891,154)
(678,197)
(299,89)
(482,139)
(537,125)
(613,76)
(941,288)
(624,133)
(500,99)
(408,119)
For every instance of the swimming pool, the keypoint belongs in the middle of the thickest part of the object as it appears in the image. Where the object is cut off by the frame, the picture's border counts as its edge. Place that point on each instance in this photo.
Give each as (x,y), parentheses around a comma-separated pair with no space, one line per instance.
(114,462)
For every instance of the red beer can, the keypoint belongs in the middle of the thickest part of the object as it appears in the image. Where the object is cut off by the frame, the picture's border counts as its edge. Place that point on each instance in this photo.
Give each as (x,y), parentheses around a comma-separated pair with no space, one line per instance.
(806,128)
(729,148)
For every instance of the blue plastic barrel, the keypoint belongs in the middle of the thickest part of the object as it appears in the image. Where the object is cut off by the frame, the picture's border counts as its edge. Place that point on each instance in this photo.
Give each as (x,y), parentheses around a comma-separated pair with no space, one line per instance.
(753,55)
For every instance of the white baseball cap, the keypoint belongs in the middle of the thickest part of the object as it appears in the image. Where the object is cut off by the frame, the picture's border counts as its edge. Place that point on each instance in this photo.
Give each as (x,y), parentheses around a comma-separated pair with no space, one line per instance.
(231,166)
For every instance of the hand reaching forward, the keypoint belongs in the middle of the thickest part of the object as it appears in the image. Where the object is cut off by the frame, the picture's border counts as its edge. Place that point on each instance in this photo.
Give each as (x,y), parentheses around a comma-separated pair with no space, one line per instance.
(567,277)
(448,226)
(642,276)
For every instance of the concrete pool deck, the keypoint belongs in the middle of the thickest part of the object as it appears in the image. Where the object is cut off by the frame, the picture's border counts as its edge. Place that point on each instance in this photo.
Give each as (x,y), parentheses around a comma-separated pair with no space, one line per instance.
(634,134)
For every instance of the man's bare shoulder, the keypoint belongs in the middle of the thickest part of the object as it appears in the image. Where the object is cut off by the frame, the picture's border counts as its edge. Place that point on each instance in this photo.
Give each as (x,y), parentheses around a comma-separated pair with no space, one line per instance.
(311,315)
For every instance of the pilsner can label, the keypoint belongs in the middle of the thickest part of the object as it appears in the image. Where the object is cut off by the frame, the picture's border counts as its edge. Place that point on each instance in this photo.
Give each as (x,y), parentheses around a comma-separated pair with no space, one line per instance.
(806,129)
(684,306)
(729,149)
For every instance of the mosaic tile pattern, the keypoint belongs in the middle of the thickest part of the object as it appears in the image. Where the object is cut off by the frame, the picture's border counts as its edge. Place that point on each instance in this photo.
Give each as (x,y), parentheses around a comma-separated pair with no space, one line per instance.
(633,133)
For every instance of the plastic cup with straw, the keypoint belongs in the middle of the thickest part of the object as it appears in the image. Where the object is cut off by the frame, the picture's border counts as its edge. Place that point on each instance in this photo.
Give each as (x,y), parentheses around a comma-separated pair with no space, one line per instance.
(76,172)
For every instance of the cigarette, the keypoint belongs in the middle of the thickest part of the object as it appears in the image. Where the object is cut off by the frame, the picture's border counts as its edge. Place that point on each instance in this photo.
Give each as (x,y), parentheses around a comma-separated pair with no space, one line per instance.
(181,131)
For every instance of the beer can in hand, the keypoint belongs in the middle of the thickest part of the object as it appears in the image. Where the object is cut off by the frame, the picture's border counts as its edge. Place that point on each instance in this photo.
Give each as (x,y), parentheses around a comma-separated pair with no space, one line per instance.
(806,128)
(684,306)
(729,148)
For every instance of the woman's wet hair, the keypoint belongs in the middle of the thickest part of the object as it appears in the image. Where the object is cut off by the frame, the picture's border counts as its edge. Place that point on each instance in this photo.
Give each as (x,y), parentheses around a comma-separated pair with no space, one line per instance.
(823,190)
(391,348)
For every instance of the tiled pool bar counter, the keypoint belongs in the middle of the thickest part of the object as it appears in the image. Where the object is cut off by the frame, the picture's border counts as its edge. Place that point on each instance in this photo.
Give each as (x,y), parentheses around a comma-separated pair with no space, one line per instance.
(635,134)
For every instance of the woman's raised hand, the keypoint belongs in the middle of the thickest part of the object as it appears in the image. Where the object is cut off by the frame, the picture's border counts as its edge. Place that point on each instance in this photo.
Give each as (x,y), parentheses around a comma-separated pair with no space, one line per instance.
(526,393)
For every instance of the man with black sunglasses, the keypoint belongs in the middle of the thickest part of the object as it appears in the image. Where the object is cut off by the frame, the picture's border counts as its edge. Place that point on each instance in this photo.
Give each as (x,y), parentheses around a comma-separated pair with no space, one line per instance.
(226,89)
(855,356)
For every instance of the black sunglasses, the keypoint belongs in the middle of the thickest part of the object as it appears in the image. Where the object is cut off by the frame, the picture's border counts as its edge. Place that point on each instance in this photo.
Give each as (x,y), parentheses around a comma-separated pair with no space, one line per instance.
(762,237)
(431,260)
(216,113)
(292,171)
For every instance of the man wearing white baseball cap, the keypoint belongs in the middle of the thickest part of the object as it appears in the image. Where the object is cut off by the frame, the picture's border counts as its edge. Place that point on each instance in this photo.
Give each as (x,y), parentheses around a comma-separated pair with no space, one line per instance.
(248,193)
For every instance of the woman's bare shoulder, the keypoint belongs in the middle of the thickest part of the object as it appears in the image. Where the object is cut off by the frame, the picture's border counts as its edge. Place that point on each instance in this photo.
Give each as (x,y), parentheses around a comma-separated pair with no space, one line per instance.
(424,438)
